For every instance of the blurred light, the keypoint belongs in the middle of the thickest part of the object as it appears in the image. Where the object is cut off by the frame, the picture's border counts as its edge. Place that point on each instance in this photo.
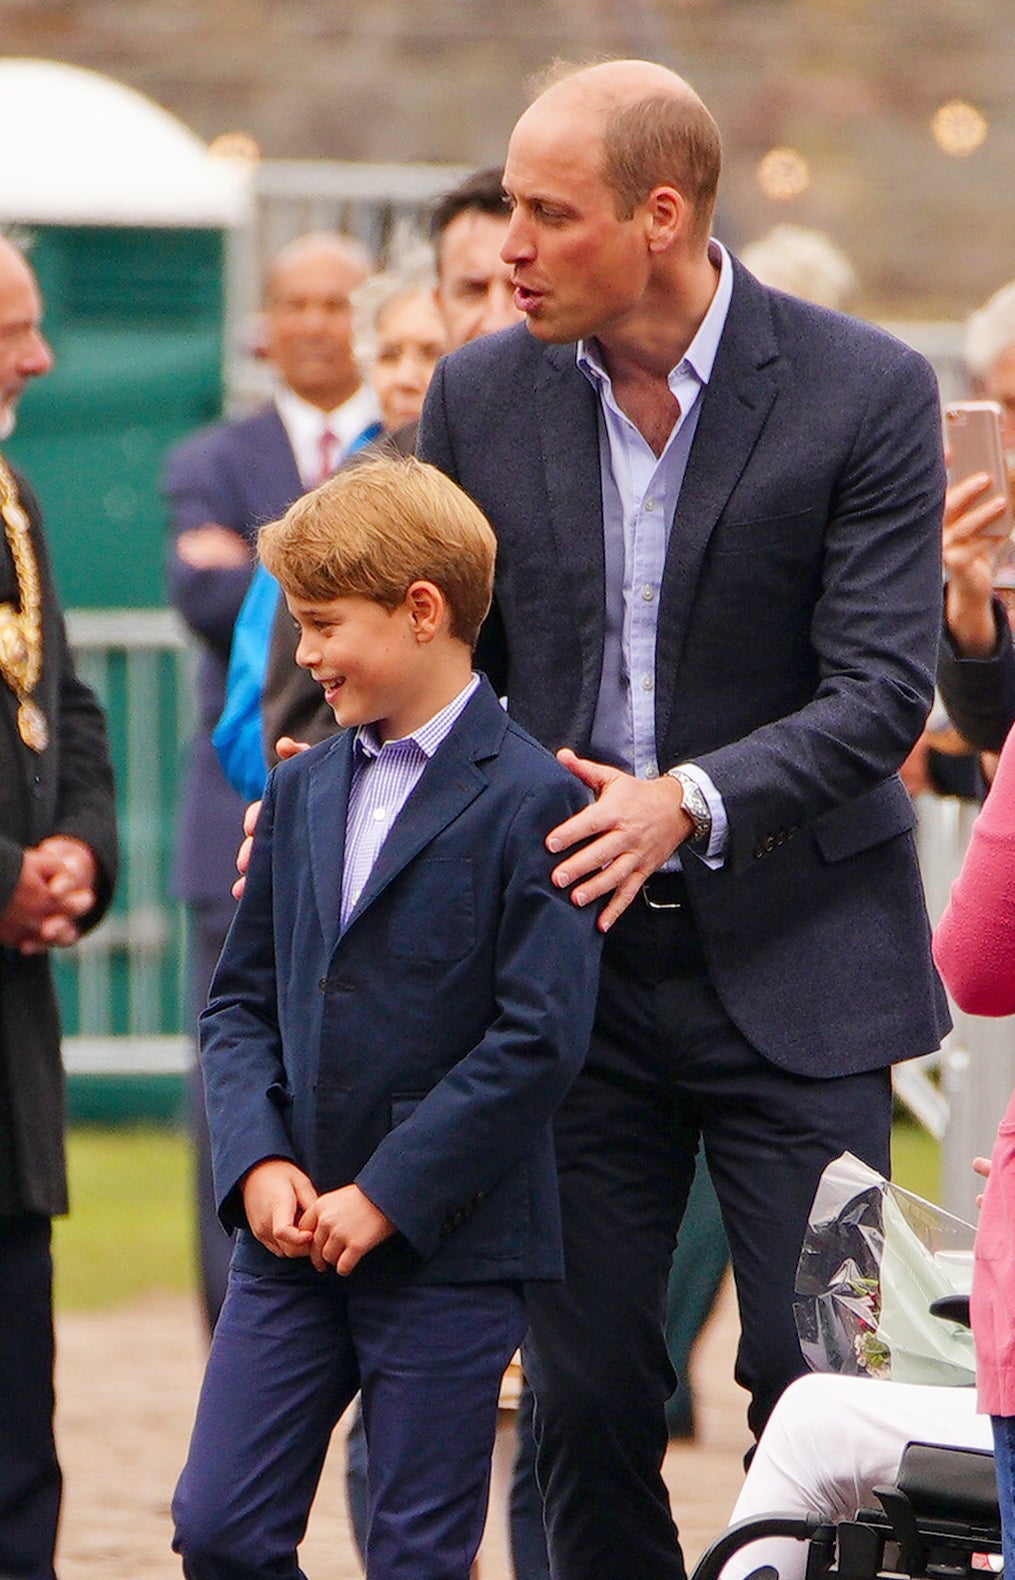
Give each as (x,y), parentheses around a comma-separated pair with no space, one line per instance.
(783,174)
(958,128)
(235,145)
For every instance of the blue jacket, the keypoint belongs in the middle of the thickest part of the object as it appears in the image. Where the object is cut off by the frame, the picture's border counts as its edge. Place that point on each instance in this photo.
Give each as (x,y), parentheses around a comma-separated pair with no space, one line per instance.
(422,1051)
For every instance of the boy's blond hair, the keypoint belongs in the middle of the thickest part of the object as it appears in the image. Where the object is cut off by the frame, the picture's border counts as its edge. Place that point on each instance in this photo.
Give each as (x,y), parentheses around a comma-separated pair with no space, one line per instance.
(373,530)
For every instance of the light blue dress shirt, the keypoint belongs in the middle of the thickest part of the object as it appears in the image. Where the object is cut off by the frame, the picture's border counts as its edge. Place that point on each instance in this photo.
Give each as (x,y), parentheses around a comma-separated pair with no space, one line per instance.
(640,493)
(384,775)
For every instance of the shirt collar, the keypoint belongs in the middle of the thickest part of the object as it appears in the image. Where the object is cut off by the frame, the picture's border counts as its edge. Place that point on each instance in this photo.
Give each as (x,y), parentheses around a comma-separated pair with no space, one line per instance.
(426,739)
(304,421)
(699,358)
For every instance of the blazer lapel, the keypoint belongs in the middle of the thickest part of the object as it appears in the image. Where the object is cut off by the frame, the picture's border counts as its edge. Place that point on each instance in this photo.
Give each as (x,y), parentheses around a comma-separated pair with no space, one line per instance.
(735,408)
(567,420)
(450,781)
(327,798)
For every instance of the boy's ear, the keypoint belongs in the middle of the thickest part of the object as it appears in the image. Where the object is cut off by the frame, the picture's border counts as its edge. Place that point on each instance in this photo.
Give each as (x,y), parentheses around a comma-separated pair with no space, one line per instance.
(427,608)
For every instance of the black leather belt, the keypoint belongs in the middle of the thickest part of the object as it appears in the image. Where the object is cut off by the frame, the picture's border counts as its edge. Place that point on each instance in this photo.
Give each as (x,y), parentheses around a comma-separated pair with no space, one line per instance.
(665,891)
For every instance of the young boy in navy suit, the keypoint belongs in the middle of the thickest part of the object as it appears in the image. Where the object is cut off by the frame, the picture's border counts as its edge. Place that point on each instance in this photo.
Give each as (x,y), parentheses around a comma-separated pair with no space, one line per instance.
(402,1001)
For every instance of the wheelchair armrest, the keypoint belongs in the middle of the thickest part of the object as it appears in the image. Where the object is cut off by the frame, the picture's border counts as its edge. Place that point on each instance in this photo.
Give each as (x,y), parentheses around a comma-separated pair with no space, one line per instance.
(715,1557)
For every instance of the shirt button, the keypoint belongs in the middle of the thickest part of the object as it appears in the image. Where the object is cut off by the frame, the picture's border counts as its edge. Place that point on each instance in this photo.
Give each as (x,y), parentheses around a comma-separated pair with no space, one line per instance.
(651,773)
(646,683)
(650,504)
(380,813)
(648,592)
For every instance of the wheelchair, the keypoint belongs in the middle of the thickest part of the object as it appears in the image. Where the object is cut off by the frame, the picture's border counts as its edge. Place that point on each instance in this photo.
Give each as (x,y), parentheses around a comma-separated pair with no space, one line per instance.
(936,1522)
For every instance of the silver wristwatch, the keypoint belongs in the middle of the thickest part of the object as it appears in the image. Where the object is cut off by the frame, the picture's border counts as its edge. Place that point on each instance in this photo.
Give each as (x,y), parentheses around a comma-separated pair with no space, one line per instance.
(695,806)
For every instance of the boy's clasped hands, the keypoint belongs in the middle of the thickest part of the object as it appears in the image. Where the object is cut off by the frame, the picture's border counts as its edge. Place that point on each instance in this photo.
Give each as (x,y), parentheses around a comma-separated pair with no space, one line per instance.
(287,1215)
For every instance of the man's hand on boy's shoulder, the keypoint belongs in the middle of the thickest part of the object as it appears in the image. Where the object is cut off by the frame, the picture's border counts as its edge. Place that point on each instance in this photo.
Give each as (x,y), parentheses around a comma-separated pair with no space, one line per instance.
(276,1197)
(286,747)
(345,1225)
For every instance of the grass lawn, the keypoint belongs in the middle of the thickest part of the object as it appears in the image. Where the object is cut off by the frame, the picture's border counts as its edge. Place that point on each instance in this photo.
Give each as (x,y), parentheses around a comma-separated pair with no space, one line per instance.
(130,1226)
(916,1160)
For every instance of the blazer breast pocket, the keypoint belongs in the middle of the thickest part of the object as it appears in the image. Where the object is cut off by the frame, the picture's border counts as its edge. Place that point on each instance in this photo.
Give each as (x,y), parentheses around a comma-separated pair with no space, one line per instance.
(762,534)
(434,917)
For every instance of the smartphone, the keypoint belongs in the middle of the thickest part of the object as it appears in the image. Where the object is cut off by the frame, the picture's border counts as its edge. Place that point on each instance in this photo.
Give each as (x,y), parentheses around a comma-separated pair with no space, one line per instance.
(973,436)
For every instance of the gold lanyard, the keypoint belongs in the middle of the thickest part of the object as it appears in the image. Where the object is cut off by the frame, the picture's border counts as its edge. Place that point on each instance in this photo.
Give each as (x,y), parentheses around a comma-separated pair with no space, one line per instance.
(21,629)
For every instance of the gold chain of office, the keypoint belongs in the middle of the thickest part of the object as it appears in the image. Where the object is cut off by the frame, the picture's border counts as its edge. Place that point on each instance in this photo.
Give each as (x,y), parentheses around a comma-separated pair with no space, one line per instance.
(21,628)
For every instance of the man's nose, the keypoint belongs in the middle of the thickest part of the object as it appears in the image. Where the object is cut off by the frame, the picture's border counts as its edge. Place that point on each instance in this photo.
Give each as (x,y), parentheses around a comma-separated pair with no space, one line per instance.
(517,240)
(38,357)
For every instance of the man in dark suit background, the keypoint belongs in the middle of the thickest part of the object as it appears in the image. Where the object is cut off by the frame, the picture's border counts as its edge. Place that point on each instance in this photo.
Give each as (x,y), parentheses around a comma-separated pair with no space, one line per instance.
(718,517)
(57,869)
(221,485)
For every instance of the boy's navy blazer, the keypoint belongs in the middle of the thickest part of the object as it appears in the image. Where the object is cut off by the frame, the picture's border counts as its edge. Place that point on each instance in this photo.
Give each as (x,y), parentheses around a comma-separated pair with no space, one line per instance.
(422,1050)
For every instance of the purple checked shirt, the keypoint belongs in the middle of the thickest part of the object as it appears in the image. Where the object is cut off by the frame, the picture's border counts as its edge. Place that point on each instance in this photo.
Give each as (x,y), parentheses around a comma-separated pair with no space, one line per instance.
(384,775)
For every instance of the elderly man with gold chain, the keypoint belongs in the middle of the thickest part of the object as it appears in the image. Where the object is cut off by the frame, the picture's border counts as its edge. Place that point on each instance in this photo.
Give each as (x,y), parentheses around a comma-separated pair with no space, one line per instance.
(57,868)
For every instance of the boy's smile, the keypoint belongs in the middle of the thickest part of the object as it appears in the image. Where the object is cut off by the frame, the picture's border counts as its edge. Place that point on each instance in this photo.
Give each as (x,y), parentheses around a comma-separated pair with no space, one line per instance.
(375,665)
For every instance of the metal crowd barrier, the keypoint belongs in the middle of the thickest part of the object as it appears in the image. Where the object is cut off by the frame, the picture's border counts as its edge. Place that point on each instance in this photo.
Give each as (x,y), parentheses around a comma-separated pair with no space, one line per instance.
(122,988)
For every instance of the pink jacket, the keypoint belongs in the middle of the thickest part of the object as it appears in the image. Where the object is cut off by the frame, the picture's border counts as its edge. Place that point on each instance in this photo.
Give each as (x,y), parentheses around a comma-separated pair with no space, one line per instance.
(974,946)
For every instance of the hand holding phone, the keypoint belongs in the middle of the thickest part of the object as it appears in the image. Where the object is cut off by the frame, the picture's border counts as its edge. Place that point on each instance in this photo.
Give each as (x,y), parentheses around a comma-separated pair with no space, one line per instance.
(973,438)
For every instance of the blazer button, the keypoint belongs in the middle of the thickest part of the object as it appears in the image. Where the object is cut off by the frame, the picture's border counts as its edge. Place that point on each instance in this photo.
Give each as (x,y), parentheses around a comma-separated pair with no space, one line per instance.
(323,984)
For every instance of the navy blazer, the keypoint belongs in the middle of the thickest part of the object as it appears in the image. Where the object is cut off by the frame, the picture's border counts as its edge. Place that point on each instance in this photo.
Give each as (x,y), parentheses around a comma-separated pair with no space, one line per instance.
(239,474)
(65,789)
(797,637)
(422,1051)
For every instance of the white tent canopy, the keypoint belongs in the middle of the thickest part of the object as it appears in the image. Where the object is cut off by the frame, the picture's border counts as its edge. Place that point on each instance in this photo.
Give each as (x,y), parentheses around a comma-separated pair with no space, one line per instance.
(85,150)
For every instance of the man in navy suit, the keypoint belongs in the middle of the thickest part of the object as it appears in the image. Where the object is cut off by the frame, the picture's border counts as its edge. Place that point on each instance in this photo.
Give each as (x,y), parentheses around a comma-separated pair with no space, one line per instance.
(221,484)
(718,517)
(403,998)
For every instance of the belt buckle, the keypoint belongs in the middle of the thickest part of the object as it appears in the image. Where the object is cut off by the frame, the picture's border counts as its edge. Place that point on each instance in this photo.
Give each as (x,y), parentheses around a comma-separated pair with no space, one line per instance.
(659,905)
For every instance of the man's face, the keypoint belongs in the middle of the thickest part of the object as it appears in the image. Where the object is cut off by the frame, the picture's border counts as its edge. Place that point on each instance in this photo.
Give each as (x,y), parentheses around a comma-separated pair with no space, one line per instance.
(474,291)
(578,269)
(309,324)
(24,354)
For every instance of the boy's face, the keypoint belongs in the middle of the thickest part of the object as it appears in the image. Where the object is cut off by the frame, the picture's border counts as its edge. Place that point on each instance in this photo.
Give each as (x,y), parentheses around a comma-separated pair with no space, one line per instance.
(367,659)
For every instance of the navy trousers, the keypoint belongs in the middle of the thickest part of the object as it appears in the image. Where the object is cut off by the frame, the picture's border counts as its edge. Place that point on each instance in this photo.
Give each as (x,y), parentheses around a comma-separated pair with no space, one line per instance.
(288,1353)
(667,1068)
(30,1481)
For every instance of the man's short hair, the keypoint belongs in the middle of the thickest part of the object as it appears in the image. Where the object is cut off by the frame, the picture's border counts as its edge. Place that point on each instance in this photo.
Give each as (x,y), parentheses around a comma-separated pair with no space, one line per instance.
(480,193)
(663,140)
(371,531)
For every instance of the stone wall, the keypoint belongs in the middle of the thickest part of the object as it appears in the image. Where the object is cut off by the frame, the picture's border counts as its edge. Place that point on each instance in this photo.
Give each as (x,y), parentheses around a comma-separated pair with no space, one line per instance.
(850,84)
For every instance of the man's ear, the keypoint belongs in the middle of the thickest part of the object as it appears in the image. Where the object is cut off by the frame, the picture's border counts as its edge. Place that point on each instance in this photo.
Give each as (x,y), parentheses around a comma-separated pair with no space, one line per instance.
(668,217)
(427,608)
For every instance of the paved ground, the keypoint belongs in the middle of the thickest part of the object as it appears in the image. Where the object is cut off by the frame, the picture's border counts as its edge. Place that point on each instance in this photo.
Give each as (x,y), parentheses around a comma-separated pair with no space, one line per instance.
(127,1380)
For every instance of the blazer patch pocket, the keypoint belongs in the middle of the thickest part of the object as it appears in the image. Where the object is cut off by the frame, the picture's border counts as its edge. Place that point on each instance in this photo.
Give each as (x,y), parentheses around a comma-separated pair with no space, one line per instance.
(436,920)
